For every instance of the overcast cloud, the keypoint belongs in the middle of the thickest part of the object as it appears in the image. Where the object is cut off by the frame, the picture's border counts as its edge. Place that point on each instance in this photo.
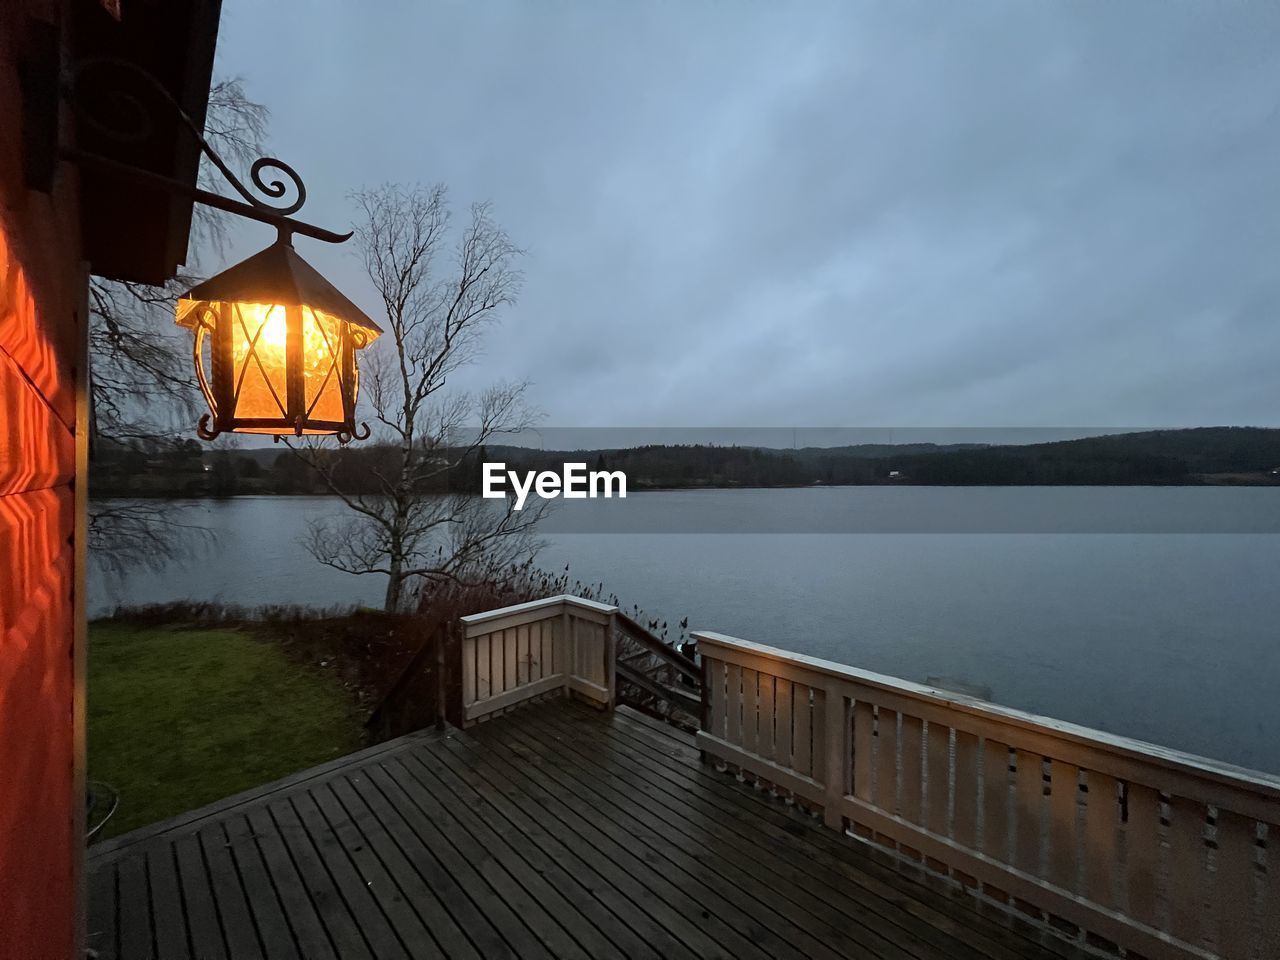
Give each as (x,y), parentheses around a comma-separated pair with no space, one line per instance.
(749,213)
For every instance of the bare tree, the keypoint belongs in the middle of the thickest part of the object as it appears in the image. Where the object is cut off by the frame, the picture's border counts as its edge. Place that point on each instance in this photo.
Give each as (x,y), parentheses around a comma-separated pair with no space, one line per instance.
(435,323)
(142,388)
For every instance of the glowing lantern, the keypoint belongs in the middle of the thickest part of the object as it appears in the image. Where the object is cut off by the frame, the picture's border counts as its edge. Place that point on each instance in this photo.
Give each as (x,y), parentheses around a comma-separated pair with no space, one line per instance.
(275,348)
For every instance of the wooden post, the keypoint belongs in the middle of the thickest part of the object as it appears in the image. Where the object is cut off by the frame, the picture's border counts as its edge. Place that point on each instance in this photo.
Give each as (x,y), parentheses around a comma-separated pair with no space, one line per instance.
(611,659)
(838,753)
(568,648)
(705,691)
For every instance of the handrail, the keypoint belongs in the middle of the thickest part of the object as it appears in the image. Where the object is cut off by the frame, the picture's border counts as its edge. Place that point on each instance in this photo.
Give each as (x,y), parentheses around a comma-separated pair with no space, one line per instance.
(678,696)
(655,646)
(1265,784)
(1164,853)
(536,605)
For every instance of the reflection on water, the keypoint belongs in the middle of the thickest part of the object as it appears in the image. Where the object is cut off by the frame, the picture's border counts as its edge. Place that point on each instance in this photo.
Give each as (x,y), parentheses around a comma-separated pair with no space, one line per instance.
(1147,635)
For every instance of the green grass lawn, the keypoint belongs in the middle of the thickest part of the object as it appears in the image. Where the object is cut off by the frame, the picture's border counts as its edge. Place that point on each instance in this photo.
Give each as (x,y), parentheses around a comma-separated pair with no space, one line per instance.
(180,717)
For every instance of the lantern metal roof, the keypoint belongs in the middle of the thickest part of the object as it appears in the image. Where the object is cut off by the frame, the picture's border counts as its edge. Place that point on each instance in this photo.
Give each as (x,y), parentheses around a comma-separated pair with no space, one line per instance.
(278,275)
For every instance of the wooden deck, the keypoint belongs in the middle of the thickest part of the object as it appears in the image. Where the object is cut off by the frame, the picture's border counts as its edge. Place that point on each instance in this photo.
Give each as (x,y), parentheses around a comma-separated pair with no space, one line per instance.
(556,831)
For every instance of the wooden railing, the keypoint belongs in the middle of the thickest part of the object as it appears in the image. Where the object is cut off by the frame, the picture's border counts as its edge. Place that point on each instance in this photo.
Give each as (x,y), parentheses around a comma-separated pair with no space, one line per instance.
(1159,852)
(655,676)
(532,649)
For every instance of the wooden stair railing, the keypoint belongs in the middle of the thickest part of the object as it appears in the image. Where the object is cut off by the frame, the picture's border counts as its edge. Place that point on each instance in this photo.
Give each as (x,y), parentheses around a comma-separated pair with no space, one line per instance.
(685,695)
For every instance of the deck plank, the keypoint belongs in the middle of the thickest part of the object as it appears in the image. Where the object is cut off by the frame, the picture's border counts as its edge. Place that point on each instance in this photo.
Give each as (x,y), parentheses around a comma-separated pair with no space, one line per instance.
(268,914)
(824,848)
(600,932)
(424,876)
(804,900)
(202,919)
(554,831)
(135,908)
(790,927)
(487,903)
(875,908)
(340,924)
(381,879)
(166,899)
(300,910)
(651,859)
(624,897)
(368,910)
(229,899)
(101,929)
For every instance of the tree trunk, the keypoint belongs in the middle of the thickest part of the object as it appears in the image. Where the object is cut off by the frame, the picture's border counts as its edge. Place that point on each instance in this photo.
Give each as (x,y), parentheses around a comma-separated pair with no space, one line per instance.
(394,583)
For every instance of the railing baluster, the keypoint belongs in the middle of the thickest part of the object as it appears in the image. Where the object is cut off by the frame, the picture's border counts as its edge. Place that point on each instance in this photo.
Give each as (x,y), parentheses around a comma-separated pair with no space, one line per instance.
(995,800)
(837,756)
(819,720)
(938,781)
(1064,810)
(510,653)
(864,720)
(887,760)
(1029,811)
(782,745)
(765,729)
(535,651)
(1233,883)
(801,745)
(1101,832)
(733,705)
(547,637)
(1187,852)
(909,775)
(524,662)
(967,785)
(484,667)
(750,711)
(1142,841)
(714,674)
(565,653)
(468,657)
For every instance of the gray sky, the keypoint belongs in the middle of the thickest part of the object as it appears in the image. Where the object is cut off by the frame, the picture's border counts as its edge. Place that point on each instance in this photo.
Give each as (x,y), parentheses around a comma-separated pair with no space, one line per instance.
(844,214)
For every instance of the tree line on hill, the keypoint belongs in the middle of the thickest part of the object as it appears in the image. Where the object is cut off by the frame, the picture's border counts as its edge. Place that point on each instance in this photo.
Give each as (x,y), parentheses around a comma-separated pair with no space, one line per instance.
(1197,456)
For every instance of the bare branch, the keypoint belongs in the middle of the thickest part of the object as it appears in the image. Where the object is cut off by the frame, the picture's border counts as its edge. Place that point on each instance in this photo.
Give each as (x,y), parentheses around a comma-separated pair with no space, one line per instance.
(434,323)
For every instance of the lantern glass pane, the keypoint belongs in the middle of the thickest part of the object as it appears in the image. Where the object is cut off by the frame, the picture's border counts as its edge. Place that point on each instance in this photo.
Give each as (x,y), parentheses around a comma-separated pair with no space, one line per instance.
(321,365)
(258,353)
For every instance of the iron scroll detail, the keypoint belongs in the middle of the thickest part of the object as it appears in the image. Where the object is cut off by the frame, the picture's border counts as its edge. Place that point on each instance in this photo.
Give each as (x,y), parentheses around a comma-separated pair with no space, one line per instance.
(120,101)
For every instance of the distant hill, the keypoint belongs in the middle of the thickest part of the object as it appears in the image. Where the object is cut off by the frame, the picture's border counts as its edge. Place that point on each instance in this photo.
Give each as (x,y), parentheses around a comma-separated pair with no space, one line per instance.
(1200,455)
(1192,456)
(1206,455)
(878,451)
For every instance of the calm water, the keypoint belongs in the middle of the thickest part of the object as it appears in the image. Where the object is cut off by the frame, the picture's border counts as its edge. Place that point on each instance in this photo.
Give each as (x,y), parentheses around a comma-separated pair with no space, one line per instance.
(1168,637)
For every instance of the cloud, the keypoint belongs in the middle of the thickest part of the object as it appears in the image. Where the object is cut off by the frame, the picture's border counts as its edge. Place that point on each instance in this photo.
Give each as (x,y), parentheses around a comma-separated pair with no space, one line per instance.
(825,213)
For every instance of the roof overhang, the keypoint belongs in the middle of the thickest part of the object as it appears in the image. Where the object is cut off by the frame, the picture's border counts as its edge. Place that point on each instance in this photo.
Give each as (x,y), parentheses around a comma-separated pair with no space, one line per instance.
(136,231)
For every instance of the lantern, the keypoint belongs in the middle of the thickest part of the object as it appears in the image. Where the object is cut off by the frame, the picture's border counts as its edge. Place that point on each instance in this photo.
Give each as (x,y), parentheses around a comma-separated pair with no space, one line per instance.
(275,348)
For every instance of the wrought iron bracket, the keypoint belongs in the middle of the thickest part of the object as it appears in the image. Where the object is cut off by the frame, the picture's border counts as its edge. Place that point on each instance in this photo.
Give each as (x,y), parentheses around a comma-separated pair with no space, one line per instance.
(123,115)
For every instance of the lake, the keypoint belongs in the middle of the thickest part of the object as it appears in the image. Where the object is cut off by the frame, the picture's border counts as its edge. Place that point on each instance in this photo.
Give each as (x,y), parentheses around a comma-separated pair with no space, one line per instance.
(1171,637)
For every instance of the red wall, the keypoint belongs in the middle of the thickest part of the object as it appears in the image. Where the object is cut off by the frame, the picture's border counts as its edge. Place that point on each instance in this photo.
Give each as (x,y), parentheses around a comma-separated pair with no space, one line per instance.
(42,327)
